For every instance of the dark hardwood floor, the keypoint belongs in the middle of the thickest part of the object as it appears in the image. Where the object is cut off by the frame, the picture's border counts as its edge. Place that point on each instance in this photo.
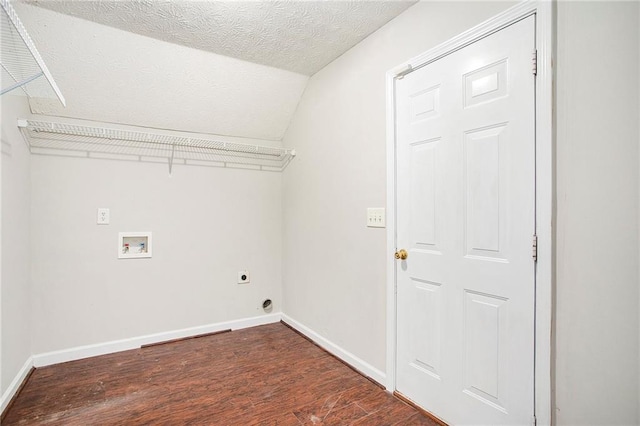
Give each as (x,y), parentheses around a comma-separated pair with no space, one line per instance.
(267,375)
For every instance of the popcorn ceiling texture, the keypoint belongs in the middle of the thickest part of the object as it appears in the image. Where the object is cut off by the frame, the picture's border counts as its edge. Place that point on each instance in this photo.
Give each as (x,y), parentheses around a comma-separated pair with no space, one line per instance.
(114,76)
(298,36)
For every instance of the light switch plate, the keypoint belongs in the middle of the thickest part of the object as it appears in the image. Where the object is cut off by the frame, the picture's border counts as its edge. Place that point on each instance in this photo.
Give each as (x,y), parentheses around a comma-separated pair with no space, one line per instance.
(103,216)
(376,217)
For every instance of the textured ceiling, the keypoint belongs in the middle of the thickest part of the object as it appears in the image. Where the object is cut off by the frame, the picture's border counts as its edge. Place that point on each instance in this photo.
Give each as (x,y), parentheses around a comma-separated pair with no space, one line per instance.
(114,76)
(298,36)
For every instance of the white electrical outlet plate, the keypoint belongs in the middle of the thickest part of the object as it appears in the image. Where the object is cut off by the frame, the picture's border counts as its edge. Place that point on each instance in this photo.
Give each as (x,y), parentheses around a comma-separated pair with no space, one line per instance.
(244,277)
(376,217)
(103,216)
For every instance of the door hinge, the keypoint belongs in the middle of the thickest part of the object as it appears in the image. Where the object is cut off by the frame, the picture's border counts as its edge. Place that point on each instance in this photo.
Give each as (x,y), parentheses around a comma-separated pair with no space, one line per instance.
(533,420)
(534,59)
(534,248)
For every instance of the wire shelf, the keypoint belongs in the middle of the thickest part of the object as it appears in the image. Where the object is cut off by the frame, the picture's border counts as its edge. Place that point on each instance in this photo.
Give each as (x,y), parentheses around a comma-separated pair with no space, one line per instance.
(52,138)
(22,66)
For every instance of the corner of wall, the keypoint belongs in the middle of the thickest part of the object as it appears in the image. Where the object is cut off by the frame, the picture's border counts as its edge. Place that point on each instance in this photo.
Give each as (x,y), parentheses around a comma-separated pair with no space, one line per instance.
(16,384)
(638,66)
(15,287)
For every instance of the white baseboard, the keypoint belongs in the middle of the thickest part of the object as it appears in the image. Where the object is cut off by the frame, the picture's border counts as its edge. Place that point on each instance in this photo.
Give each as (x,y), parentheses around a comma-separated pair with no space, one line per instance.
(357,363)
(72,354)
(80,352)
(15,384)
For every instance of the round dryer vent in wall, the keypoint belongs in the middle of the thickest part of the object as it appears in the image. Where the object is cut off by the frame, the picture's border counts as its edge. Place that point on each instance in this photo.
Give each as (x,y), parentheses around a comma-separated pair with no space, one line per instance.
(267,305)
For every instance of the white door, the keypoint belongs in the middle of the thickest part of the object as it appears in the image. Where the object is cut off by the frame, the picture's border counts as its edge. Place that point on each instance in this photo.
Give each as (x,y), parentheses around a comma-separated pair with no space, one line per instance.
(465,215)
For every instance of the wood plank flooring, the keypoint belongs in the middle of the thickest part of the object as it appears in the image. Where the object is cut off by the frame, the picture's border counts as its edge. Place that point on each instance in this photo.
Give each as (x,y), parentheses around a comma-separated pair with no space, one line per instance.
(267,375)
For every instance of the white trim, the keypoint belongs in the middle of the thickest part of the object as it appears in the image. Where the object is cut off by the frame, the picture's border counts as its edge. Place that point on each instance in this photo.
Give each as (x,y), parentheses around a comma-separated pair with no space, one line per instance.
(80,352)
(482,30)
(545,34)
(391,228)
(346,356)
(87,351)
(15,384)
(545,218)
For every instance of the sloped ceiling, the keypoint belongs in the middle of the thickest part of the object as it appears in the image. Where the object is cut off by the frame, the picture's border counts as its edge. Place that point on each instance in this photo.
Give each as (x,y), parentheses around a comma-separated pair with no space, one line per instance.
(225,68)
(298,36)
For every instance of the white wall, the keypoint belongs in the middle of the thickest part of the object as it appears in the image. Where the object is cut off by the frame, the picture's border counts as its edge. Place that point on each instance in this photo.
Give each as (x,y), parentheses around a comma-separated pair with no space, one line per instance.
(207,224)
(597,213)
(15,262)
(110,75)
(334,275)
(310,232)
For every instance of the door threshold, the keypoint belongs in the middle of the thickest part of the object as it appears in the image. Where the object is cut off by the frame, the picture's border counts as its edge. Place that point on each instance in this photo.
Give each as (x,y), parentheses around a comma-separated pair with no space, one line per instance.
(406,400)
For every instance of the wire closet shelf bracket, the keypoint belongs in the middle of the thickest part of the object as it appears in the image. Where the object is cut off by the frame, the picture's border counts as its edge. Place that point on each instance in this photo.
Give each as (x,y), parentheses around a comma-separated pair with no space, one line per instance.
(22,66)
(64,139)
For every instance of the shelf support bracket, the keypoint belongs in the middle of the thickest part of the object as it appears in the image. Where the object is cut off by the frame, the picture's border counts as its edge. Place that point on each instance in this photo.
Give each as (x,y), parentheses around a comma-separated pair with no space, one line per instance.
(173,150)
(35,58)
(21,83)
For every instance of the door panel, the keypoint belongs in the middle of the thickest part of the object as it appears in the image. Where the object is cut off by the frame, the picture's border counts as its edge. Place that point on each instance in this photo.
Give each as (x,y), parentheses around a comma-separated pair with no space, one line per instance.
(485,325)
(426,339)
(484,192)
(424,162)
(465,213)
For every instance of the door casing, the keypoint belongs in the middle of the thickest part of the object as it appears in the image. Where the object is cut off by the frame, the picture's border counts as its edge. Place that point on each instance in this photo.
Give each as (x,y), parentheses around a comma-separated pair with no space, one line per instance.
(544,12)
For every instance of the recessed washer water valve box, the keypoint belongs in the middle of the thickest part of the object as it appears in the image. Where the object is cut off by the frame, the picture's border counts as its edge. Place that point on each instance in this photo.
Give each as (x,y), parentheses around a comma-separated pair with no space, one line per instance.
(244,277)
(133,245)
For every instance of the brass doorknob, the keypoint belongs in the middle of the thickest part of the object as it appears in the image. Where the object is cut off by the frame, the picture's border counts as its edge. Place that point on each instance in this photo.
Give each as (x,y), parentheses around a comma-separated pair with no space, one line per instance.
(402,254)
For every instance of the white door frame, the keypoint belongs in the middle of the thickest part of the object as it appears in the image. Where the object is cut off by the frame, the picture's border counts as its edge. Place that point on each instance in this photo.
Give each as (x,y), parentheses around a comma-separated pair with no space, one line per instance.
(544,11)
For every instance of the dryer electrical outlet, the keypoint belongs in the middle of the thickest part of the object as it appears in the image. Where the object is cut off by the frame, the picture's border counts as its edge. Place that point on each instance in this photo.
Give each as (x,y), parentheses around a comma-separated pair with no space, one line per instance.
(244,277)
